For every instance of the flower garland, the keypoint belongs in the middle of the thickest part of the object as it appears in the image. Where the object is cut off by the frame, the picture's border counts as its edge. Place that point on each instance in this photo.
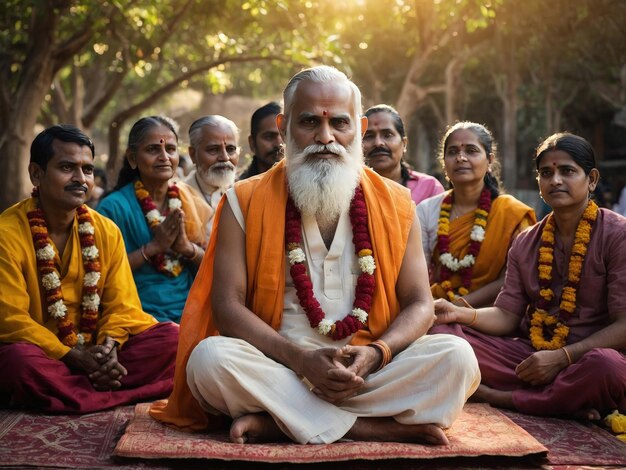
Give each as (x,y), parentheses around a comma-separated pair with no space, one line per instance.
(51,281)
(540,319)
(165,263)
(451,265)
(366,282)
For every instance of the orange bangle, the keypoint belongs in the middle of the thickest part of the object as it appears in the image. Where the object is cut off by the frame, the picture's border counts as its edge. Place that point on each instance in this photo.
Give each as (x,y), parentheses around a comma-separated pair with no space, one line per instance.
(385,350)
(473,319)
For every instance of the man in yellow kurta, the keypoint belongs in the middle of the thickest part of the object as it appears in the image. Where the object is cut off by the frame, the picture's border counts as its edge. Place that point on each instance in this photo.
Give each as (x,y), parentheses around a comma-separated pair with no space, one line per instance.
(318,286)
(74,337)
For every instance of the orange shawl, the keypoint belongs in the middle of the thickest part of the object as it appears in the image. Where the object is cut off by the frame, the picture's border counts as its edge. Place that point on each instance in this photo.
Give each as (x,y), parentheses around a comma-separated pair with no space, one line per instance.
(506,217)
(262,200)
(197,213)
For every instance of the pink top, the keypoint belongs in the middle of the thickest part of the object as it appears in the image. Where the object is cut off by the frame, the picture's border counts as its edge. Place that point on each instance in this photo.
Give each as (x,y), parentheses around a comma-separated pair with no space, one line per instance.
(423,186)
(602,284)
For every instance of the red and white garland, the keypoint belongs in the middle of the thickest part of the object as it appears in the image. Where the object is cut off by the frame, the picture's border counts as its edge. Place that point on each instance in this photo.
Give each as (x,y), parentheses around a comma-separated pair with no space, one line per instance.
(165,263)
(450,264)
(366,282)
(51,281)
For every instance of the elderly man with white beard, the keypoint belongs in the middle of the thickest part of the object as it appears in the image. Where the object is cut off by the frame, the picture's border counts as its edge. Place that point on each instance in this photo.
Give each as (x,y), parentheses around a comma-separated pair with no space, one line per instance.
(308,319)
(214,151)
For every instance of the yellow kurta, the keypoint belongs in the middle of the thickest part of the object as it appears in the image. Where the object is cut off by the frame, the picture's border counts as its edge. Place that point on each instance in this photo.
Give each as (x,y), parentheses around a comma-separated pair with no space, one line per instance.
(23,313)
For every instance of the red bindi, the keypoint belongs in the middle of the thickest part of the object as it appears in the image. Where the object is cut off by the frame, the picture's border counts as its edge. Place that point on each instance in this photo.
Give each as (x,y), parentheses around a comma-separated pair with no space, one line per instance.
(324,112)
(162,141)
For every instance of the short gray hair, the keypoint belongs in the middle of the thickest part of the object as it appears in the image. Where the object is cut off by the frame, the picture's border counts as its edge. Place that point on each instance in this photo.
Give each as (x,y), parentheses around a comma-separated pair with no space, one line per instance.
(319,74)
(211,120)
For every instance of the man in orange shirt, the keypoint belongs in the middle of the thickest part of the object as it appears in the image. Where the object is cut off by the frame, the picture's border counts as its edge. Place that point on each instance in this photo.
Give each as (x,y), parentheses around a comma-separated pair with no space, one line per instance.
(74,337)
(333,345)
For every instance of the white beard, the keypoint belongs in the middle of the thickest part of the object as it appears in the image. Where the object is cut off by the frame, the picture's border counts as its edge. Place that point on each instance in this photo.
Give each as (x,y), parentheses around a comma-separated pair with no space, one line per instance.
(219,175)
(320,187)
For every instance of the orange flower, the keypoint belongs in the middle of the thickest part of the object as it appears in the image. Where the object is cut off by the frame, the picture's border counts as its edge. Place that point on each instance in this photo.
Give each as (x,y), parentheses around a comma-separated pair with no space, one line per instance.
(540,319)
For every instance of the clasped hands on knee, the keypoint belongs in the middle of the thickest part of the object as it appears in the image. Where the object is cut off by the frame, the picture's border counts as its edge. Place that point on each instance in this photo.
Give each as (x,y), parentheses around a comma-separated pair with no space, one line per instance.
(339,373)
(100,363)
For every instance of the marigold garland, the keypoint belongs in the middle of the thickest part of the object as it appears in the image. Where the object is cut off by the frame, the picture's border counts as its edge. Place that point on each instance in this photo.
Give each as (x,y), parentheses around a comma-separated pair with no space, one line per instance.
(541,320)
(51,280)
(366,282)
(166,263)
(450,265)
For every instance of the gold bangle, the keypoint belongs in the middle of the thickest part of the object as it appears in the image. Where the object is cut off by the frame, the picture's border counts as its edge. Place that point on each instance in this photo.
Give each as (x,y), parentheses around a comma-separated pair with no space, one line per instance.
(569,358)
(143,253)
(196,252)
(473,319)
(385,351)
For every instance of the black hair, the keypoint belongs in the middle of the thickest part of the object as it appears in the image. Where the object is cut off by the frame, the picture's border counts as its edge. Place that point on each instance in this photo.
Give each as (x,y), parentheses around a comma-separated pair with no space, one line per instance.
(486,140)
(575,146)
(398,124)
(270,109)
(136,135)
(395,116)
(41,151)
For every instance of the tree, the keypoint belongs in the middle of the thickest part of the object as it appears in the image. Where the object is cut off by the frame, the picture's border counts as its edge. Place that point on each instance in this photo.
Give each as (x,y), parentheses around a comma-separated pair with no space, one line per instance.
(38,39)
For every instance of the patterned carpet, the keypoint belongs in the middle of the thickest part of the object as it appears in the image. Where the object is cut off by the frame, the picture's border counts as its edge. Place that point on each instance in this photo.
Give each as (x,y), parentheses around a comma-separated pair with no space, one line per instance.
(29,440)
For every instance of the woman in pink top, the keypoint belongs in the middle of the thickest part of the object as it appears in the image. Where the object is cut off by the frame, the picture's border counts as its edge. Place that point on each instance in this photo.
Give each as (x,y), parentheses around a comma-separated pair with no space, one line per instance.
(384,145)
(553,342)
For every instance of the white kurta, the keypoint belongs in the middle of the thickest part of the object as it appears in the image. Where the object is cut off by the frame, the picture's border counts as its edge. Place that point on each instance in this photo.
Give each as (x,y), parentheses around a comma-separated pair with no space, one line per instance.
(212,197)
(428,382)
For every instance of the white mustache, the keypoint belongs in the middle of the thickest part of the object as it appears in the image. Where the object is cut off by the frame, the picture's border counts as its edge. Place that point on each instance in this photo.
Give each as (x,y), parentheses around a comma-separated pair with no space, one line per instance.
(333,147)
(222,166)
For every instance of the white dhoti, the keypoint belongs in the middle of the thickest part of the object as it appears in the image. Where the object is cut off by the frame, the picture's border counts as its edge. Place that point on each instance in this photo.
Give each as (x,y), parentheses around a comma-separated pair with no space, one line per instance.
(428,382)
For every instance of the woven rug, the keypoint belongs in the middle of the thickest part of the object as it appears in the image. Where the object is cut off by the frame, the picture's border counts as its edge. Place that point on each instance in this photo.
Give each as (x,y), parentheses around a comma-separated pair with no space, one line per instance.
(480,430)
(573,443)
(39,440)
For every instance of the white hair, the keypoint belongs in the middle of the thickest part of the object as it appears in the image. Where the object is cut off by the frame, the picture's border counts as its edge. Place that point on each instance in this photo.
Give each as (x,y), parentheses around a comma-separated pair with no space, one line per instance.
(321,74)
(220,174)
(195,130)
(324,187)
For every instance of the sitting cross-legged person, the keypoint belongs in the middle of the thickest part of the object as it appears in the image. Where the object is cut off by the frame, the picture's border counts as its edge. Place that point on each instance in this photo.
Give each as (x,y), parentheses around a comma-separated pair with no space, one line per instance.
(317,285)
(73,336)
(553,342)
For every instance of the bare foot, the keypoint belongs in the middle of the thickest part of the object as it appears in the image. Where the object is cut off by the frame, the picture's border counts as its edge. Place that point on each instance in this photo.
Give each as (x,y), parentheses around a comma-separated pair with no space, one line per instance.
(588,414)
(389,430)
(258,427)
(497,398)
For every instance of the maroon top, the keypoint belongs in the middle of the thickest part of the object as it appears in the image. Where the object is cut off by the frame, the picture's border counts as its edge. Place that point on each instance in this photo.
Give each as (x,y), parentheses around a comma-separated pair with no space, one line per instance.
(602,290)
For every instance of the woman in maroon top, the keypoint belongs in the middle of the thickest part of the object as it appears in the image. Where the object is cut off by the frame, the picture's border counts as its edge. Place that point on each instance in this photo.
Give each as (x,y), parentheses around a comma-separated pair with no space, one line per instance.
(553,342)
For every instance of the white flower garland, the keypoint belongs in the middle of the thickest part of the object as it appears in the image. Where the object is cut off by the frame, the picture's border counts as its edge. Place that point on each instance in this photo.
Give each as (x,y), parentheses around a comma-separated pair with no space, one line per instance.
(453,264)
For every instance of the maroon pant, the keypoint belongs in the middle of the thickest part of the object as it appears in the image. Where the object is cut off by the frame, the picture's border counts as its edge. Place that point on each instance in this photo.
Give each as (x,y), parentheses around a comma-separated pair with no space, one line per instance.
(597,380)
(30,379)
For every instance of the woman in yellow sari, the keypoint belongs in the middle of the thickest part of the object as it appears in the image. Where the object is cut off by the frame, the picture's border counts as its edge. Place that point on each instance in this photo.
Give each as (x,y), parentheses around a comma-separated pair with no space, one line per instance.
(467,231)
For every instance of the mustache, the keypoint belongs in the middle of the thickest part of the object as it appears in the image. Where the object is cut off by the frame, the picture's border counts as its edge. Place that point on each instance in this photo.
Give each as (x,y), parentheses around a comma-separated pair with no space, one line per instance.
(333,147)
(379,150)
(222,166)
(75,186)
